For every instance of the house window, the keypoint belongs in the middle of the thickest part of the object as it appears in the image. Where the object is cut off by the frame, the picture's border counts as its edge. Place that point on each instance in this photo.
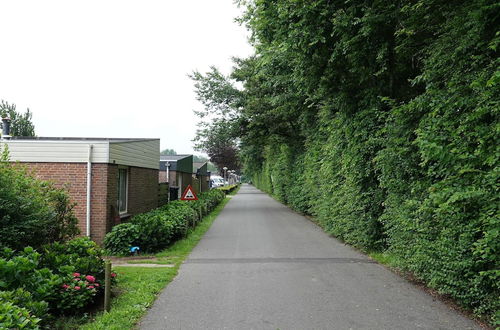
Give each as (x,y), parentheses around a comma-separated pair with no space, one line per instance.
(122,190)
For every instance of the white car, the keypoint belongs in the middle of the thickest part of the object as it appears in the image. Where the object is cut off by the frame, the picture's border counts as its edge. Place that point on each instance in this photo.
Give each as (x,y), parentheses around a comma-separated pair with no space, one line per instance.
(216,181)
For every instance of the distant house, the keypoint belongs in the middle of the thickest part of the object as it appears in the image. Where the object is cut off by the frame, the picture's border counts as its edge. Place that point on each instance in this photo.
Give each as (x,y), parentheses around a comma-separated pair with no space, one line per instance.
(200,172)
(177,170)
(123,172)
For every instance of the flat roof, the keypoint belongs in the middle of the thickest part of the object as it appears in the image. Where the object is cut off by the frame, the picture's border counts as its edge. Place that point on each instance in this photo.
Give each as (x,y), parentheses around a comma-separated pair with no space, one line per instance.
(76,139)
(172,158)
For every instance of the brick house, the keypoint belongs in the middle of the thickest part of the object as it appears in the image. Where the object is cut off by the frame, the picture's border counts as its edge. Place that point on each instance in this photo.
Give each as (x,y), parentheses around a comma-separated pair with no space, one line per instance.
(123,172)
(177,170)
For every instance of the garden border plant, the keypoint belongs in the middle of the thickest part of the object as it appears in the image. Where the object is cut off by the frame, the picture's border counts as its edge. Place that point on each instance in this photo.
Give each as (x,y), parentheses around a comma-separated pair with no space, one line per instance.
(44,273)
(155,230)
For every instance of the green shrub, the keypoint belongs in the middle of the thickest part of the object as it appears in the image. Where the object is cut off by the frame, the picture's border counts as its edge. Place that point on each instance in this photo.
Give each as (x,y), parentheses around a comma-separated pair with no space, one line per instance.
(121,238)
(160,227)
(182,216)
(32,212)
(46,283)
(24,299)
(79,255)
(22,270)
(213,197)
(15,317)
(155,230)
(227,189)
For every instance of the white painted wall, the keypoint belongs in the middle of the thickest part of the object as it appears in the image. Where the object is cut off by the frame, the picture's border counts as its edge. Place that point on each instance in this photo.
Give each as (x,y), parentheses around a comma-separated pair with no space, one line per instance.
(38,151)
(144,153)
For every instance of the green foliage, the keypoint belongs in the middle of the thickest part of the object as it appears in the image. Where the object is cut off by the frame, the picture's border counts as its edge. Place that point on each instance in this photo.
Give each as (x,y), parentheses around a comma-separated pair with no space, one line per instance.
(79,255)
(381,120)
(24,299)
(52,282)
(121,238)
(15,317)
(139,286)
(168,152)
(21,124)
(22,270)
(226,189)
(215,136)
(32,212)
(158,228)
(155,230)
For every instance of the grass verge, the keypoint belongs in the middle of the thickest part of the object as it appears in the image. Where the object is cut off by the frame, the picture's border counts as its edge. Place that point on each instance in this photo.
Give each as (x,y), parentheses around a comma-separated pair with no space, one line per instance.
(138,287)
(383,258)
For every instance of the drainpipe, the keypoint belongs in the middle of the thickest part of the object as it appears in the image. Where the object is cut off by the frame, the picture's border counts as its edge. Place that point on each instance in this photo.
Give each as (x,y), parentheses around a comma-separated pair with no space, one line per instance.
(168,176)
(89,187)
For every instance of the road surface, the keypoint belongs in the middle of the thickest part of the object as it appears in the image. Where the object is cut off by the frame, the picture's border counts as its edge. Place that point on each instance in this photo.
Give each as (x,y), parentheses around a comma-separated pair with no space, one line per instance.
(262,266)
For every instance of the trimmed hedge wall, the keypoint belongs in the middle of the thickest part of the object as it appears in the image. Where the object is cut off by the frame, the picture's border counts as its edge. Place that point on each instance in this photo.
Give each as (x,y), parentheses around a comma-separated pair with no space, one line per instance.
(157,229)
(381,119)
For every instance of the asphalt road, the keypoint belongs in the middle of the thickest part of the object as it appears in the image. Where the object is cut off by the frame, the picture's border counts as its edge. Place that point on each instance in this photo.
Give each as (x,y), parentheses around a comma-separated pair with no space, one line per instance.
(262,266)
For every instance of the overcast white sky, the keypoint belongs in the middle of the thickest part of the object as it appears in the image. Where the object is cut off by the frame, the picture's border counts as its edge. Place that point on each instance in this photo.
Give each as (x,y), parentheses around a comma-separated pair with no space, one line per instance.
(114,68)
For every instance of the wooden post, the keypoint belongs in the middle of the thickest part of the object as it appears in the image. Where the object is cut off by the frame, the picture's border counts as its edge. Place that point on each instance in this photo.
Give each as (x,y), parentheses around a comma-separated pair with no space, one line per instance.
(107,286)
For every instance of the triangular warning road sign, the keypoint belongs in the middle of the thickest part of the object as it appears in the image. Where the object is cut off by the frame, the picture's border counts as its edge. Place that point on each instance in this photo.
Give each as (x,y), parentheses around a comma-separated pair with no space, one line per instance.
(189,194)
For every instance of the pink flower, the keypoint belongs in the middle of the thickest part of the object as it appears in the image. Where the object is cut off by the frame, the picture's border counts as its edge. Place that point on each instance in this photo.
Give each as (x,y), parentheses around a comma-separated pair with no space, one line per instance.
(90,278)
(76,274)
(91,286)
(96,284)
(77,288)
(76,279)
(113,274)
(65,286)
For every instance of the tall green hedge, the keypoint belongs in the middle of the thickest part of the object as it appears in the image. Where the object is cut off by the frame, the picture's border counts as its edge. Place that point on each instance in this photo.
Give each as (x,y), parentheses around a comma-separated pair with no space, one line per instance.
(381,119)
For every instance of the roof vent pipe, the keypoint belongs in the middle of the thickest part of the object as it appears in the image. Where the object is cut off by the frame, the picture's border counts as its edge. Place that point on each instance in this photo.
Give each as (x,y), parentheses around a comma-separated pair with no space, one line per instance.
(6,128)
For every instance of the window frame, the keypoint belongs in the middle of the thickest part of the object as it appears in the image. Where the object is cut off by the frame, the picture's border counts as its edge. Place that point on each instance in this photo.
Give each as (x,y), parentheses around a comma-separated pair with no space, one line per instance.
(123,169)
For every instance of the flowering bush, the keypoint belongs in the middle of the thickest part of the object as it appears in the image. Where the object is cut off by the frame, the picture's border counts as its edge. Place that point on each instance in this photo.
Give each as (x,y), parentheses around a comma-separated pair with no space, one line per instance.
(80,255)
(77,292)
(50,281)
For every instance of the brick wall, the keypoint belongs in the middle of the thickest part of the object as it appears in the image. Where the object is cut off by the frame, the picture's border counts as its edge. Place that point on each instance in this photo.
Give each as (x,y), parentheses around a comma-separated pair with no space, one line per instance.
(73,177)
(142,193)
(162,176)
(142,190)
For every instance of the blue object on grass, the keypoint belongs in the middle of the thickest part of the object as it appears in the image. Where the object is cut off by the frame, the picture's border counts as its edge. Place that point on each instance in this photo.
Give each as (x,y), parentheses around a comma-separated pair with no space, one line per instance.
(134,249)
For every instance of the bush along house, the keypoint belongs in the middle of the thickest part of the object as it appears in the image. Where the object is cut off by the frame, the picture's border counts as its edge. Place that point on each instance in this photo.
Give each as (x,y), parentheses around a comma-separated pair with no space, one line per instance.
(110,180)
(177,170)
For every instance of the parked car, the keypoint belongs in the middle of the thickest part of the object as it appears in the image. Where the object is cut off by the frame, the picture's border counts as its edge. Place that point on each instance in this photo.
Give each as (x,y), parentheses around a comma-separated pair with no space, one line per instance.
(216,181)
